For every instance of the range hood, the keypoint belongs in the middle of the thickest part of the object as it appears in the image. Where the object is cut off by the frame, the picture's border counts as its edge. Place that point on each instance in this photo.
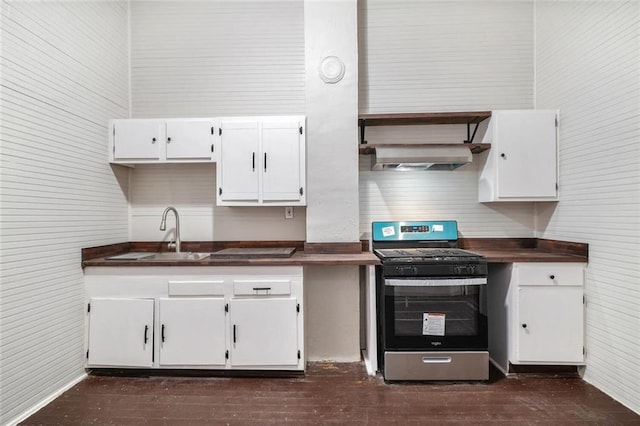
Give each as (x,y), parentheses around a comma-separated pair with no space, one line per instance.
(421,157)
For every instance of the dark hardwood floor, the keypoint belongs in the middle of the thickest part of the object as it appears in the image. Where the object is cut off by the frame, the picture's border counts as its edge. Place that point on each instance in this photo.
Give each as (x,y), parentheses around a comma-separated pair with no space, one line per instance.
(332,393)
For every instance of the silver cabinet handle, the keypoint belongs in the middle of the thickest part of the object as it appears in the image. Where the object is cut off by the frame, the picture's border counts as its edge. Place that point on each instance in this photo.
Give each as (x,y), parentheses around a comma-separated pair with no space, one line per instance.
(436,360)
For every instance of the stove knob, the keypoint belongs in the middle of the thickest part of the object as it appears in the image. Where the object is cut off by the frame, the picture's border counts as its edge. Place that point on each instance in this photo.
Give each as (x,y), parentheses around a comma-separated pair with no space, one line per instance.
(464,269)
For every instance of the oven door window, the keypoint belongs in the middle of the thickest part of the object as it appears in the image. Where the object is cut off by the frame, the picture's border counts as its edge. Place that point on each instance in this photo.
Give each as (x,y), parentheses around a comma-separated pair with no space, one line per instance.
(435,317)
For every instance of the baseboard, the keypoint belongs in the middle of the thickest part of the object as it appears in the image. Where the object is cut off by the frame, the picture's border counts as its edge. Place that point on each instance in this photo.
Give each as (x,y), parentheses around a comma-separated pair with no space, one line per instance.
(31,411)
(498,366)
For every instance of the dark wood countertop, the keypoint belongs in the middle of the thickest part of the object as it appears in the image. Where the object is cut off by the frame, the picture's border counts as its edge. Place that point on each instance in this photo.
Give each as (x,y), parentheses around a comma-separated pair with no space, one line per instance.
(495,250)
(297,259)
(509,250)
(525,255)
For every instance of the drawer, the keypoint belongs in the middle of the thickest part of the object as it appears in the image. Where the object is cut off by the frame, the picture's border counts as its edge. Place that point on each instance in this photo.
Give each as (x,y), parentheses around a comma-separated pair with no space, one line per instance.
(261,287)
(553,274)
(196,288)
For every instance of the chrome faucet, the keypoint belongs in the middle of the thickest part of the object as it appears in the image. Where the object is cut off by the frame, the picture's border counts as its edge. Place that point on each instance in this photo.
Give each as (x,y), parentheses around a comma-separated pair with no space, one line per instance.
(163,227)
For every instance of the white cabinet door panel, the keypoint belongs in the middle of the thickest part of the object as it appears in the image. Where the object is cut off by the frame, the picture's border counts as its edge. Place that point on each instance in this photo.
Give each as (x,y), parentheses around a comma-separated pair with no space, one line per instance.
(265,332)
(550,324)
(527,148)
(121,332)
(192,331)
(138,139)
(239,161)
(189,139)
(281,180)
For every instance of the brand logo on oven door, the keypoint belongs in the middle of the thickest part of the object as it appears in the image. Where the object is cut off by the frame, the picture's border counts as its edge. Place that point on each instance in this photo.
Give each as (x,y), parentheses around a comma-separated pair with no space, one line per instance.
(464,270)
(436,343)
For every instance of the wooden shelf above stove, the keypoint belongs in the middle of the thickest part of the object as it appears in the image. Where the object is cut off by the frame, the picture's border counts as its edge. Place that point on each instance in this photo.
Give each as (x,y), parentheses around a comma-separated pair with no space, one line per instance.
(425,118)
(403,119)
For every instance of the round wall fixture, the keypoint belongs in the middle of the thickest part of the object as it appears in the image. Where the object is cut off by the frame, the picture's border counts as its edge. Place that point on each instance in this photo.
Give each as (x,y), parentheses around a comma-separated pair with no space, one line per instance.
(331,69)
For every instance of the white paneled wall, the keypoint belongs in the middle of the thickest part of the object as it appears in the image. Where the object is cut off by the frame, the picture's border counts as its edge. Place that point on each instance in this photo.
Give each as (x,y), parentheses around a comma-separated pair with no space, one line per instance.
(588,65)
(213,58)
(190,188)
(205,59)
(64,74)
(437,56)
(422,56)
(439,195)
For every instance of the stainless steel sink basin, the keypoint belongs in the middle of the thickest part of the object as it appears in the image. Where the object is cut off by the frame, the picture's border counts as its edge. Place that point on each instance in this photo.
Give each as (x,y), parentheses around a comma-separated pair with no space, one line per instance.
(177,256)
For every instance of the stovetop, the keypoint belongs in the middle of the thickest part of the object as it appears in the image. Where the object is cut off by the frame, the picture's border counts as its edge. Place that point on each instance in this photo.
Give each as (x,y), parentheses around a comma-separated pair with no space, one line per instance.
(424,254)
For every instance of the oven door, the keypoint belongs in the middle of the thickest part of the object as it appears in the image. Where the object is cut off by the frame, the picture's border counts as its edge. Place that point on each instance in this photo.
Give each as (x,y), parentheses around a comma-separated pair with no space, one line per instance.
(439,314)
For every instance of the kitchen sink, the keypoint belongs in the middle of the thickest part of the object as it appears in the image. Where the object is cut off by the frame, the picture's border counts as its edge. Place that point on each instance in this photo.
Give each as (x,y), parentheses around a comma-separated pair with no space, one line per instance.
(177,256)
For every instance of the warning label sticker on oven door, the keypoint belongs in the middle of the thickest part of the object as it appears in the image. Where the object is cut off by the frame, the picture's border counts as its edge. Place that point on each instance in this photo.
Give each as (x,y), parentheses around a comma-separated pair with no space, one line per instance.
(433,324)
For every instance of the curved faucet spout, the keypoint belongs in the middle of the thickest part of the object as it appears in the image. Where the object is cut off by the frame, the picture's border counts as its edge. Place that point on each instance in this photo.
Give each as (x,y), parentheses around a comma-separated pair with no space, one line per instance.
(163,225)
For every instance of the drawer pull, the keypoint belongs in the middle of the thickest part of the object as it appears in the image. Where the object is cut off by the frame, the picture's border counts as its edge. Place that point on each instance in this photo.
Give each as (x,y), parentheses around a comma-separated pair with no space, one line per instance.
(524,325)
(436,360)
(553,277)
(262,289)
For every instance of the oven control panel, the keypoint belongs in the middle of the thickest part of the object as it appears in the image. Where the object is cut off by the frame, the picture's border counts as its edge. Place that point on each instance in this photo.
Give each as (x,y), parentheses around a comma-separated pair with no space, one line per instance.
(444,230)
(405,229)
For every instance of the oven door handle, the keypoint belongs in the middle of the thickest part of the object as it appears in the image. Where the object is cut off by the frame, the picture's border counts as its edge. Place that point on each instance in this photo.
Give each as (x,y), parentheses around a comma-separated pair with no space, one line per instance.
(435,282)
(436,360)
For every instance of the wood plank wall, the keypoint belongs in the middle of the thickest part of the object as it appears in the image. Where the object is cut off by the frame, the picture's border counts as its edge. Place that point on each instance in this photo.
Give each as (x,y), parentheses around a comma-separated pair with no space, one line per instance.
(64,74)
(210,59)
(587,64)
(442,56)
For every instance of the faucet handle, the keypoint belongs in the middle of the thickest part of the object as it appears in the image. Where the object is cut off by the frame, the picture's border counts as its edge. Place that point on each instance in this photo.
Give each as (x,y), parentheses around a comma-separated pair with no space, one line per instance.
(172,245)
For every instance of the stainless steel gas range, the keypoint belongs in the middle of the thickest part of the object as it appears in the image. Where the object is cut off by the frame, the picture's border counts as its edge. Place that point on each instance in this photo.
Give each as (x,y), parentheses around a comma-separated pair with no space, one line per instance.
(431,303)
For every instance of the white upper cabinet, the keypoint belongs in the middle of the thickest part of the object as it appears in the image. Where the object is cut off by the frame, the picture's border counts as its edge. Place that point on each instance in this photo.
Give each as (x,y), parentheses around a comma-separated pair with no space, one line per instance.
(239,168)
(190,139)
(136,140)
(283,157)
(522,164)
(157,141)
(261,161)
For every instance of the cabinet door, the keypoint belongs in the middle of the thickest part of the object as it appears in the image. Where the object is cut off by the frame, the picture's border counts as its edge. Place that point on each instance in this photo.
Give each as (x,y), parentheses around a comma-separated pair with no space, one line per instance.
(121,332)
(239,163)
(550,324)
(264,332)
(192,331)
(526,145)
(190,139)
(282,162)
(137,139)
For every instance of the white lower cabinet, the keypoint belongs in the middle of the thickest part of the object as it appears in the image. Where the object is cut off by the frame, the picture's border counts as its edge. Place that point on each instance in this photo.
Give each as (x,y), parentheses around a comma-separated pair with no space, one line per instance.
(120,332)
(549,324)
(536,314)
(192,331)
(204,318)
(265,332)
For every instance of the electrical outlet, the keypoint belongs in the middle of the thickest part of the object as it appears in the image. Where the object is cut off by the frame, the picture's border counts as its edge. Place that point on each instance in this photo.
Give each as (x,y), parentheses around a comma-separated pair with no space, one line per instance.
(288,212)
